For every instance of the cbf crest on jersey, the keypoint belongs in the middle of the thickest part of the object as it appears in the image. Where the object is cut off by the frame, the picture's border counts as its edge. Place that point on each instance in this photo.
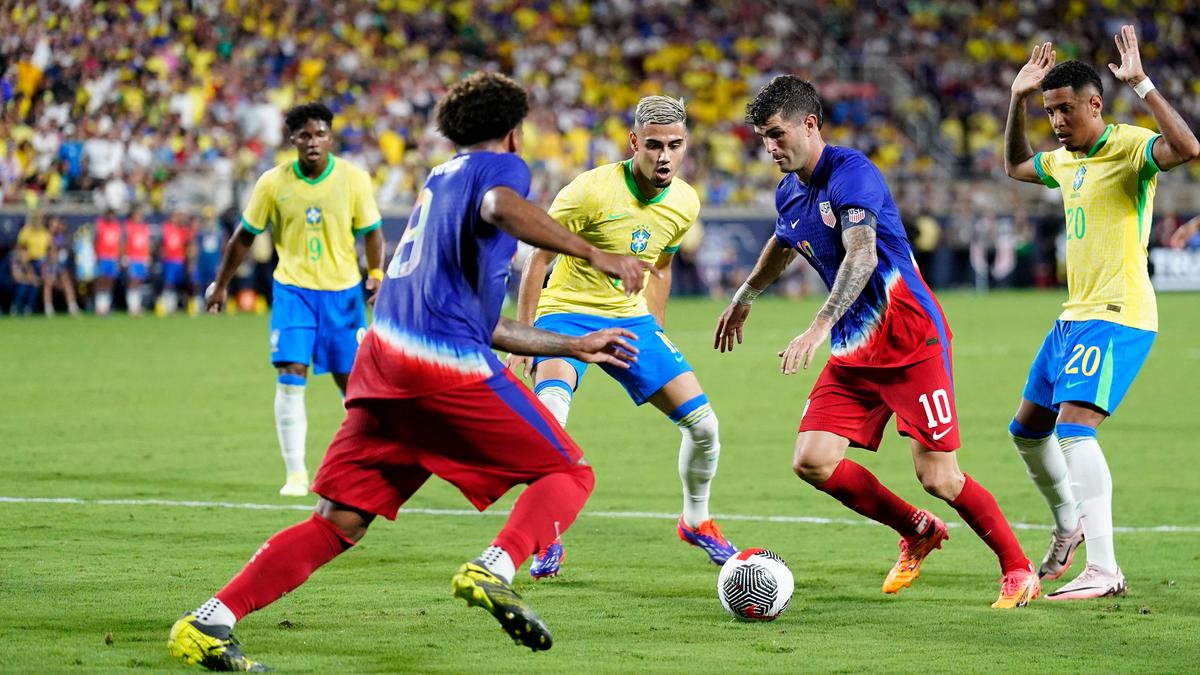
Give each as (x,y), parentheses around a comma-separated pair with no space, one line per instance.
(640,240)
(313,215)
(1079,177)
(827,216)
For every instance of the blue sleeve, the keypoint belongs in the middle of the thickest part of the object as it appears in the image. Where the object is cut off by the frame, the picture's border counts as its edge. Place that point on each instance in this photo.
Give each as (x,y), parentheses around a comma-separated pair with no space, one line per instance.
(857,183)
(507,170)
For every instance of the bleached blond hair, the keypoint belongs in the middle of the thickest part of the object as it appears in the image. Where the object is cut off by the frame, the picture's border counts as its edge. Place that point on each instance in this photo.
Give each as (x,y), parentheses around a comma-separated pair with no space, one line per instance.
(659,110)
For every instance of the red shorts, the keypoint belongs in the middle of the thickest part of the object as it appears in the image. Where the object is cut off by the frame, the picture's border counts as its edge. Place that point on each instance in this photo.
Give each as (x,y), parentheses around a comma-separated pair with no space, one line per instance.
(856,403)
(483,438)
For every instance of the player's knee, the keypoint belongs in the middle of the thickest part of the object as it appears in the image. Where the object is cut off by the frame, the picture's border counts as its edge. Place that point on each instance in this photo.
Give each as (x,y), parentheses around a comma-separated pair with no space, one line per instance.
(556,395)
(696,420)
(351,523)
(813,468)
(704,432)
(942,482)
(583,475)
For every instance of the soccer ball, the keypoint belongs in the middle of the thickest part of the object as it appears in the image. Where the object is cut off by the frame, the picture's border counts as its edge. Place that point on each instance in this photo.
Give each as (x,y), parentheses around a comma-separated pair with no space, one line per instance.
(755,585)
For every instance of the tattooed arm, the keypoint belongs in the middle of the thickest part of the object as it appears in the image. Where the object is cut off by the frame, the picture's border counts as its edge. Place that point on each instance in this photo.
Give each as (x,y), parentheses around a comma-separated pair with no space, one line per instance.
(610,345)
(856,269)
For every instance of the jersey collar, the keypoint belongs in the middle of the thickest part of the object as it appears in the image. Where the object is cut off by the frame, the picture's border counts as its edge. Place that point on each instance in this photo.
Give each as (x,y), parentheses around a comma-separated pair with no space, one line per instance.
(313,181)
(630,183)
(1100,141)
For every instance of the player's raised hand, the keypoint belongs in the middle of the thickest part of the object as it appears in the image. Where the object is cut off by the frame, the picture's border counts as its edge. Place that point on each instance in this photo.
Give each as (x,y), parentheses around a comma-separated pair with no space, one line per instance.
(610,346)
(214,298)
(729,326)
(802,348)
(521,366)
(1130,71)
(1031,74)
(629,270)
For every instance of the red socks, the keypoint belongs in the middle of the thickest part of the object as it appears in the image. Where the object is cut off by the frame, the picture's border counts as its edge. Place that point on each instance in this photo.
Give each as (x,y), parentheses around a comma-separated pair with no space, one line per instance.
(544,510)
(979,509)
(284,562)
(856,487)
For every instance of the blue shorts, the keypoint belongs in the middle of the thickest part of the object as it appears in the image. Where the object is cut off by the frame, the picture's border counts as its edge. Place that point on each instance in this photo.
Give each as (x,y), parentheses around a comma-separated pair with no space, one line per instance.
(137,271)
(173,274)
(108,267)
(658,360)
(318,328)
(1089,361)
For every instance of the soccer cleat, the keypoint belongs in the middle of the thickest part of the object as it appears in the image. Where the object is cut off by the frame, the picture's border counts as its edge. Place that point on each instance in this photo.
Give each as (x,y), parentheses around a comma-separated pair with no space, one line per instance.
(296,485)
(1093,583)
(913,552)
(1062,552)
(476,584)
(708,537)
(1018,588)
(547,561)
(212,647)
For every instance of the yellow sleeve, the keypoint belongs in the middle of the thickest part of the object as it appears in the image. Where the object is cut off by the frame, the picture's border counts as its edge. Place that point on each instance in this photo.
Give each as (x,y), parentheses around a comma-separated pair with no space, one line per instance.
(691,212)
(571,207)
(260,211)
(1140,149)
(1044,164)
(366,211)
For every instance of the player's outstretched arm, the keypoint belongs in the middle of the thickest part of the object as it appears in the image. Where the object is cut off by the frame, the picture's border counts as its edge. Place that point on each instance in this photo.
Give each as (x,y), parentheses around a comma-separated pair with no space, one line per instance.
(612,346)
(1018,155)
(856,269)
(1181,145)
(530,291)
(507,210)
(772,262)
(235,251)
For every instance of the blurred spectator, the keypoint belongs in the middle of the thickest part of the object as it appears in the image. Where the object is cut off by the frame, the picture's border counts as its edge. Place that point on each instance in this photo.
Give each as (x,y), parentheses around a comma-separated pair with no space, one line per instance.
(109,234)
(57,270)
(137,259)
(172,251)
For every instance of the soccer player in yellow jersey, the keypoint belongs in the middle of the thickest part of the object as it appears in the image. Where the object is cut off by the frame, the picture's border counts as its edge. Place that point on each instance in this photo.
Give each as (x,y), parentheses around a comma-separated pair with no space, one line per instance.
(637,206)
(1107,174)
(316,207)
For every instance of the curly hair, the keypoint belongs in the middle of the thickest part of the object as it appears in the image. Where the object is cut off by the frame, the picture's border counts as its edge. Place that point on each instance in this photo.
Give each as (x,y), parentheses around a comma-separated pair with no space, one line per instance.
(788,95)
(299,115)
(1073,74)
(483,107)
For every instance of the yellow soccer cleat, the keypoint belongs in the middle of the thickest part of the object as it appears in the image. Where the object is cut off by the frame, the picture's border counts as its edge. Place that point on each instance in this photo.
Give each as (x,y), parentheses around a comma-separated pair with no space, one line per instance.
(1018,588)
(296,485)
(212,647)
(480,588)
(913,552)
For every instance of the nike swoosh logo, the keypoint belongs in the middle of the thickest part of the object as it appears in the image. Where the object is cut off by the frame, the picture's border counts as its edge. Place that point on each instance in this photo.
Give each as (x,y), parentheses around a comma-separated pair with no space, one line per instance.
(283,198)
(1071,385)
(795,222)
(617,216)
(941,434)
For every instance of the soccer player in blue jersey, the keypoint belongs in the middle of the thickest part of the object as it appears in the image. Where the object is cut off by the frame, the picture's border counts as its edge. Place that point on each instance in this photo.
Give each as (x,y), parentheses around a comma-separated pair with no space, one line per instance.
(316,206)
(890,341)
(427,395)
(638,206)
(1107,174)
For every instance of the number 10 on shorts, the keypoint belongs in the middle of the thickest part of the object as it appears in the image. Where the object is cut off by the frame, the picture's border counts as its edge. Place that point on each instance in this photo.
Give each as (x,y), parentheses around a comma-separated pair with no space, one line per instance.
(941,405)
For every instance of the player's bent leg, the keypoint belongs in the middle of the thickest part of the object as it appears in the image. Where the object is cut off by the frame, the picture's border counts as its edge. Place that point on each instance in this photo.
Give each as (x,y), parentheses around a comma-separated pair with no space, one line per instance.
(1032,433)
(291,425)
(205,636)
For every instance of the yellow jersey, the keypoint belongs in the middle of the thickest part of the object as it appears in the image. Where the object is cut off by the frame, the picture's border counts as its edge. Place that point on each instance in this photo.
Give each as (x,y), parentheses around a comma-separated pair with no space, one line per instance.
(35,241)
(314,222)
(1108,197)
(605,207)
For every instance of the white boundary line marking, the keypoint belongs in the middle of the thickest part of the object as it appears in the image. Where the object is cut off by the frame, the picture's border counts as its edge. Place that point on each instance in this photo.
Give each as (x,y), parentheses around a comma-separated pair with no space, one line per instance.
(641,515)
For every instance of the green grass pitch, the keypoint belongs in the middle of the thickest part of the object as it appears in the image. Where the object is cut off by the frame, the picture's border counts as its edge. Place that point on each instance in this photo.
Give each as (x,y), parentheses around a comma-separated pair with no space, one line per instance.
(180,410)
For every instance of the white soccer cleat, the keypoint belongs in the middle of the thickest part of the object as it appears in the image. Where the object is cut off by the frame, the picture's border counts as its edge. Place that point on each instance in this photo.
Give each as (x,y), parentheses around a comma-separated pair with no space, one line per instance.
(1062,552)
(296,485)
(1095,582)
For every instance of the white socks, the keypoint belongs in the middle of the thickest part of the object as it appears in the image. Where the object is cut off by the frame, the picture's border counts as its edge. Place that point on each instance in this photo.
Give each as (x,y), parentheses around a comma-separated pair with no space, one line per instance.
(699,452)
(498,562)
(1047,467)
(133,300)
(291,421)
(103,302)
(1092,484)
(215,613)
(556,396)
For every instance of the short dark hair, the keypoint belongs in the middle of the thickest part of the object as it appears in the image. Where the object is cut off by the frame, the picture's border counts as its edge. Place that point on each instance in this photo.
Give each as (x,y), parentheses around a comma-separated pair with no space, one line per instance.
(483,107)
(299,115)
(788,95)
(1073,74)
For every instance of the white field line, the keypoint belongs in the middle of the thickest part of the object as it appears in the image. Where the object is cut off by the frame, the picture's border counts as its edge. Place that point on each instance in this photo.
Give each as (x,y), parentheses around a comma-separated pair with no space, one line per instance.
(639,515)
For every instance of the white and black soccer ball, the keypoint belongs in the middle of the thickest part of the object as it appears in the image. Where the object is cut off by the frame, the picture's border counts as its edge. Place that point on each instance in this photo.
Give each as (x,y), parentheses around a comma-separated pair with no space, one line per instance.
(755,585)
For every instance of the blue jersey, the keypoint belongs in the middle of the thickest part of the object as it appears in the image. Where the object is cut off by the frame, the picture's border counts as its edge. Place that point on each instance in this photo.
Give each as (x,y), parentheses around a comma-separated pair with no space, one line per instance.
(896,320)
(441,298)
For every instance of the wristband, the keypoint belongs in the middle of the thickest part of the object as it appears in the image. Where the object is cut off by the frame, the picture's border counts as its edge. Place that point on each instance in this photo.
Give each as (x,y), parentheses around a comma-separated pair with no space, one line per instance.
(1144,87)
(376,274)
(746,294)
